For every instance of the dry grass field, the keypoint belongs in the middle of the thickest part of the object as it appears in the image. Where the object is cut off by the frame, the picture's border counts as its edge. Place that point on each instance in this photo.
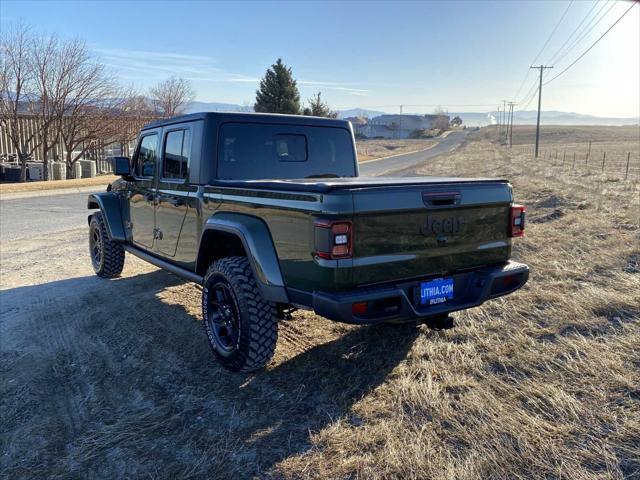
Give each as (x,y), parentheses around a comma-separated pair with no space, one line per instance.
(371,149)
(113,379)
(558,134)
(586,150)
(542,384)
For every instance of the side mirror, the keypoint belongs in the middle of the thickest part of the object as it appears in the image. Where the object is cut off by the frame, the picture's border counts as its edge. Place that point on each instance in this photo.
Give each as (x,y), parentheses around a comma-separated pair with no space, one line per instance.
(121,166)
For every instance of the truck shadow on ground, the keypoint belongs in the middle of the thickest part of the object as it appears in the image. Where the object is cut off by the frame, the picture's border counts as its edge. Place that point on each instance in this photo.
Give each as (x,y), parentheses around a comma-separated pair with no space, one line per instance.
(318,387)
(115,378)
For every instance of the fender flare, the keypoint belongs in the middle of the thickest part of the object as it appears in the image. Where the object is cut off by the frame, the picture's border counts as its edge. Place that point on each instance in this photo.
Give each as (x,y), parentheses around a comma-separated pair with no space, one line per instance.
(109,205)
(258,244)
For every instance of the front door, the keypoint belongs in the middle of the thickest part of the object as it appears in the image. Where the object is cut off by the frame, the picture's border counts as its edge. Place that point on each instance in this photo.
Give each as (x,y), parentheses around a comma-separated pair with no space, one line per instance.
(142,190)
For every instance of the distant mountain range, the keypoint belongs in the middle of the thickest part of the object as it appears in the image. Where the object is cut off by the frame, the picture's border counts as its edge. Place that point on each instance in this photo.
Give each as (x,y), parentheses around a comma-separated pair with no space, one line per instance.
(547,117)
(526,117)
(359,112)
(217,107)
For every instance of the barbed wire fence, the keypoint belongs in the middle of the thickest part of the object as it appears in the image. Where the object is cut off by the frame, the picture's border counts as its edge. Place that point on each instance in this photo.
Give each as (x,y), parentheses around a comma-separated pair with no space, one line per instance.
(612,162)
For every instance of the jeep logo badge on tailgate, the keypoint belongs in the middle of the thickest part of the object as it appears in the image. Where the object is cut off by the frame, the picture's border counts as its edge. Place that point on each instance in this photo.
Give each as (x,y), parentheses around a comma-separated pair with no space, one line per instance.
(437,226)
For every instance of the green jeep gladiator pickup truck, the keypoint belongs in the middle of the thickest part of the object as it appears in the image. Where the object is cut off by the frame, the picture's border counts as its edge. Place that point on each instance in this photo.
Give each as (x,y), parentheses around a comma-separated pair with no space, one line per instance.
(268,214)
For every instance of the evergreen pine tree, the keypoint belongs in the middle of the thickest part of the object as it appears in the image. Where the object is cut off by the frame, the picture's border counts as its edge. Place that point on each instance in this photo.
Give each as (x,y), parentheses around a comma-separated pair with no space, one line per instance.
(278,92)
(318,108)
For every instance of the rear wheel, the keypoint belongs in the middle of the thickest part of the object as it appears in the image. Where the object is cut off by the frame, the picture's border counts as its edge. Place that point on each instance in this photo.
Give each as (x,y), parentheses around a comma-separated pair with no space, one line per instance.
(107,256)
(241,326)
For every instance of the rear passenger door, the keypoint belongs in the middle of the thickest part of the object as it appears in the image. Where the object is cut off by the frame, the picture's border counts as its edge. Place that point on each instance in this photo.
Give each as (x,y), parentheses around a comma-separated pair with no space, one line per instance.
(172,200)
(142,190)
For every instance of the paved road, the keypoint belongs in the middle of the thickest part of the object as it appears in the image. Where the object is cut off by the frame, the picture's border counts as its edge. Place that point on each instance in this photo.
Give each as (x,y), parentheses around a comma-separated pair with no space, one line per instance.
(42,216)
(388,165)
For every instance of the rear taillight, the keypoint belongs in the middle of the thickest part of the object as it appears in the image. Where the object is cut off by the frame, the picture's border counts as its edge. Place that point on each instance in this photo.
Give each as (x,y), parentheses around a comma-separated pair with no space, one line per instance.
(516,220)
(333,239)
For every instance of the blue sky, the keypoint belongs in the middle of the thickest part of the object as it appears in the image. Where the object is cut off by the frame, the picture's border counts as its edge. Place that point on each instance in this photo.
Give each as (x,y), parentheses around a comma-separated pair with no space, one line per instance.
(465,56)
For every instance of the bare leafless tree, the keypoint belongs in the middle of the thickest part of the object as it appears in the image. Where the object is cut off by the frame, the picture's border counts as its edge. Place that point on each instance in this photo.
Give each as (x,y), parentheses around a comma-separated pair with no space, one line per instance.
(51,64)
(90,106)
(18,92)
(171,96)
(76,102)
(135,113)
(138,105)
(442,118)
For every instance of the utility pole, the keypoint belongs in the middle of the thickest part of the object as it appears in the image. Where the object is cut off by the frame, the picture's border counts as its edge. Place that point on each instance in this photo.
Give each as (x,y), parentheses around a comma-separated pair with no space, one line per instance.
(508,122)
(400,127)
(510,127)
(541,68)
(504,116)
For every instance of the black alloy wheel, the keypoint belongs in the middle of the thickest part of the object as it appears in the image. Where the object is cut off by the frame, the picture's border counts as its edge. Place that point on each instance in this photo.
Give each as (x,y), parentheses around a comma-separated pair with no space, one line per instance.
(222,318)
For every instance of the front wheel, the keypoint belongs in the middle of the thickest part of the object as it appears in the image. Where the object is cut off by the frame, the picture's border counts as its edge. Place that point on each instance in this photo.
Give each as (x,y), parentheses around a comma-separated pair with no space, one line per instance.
(107,256)
(241,326)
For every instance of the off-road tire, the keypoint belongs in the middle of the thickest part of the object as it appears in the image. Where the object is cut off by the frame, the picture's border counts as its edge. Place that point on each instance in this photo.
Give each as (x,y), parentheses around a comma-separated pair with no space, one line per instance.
(256,318)
(108,263)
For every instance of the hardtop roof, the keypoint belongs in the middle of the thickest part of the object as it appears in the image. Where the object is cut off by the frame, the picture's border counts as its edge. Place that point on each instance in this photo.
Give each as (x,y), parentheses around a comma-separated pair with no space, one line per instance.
(223,117)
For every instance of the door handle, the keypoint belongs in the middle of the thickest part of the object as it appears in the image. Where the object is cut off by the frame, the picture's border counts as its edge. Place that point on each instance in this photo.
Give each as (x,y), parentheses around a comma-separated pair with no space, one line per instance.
(441,199)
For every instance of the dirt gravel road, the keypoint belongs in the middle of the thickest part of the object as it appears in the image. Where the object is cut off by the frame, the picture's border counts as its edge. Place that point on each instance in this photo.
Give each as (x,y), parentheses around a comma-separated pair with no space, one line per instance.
(114,379)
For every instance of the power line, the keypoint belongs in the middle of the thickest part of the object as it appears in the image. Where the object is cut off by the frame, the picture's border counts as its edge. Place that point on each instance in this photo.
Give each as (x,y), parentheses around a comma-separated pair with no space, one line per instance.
(526,100)
(595,4)
(526,105)
(552,32)
(592,45)
(593,23)
(586,32)
(543,47)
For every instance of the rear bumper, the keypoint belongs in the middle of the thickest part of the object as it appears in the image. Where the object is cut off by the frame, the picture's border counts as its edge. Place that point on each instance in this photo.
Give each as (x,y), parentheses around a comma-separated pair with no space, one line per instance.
(401,301)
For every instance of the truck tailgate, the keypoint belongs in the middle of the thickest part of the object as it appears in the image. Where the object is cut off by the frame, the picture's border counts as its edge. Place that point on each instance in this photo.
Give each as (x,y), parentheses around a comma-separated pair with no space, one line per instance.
(431,229)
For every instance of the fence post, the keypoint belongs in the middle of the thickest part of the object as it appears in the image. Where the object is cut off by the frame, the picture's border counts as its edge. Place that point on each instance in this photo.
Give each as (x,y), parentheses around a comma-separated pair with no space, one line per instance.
(589,152)
(604,156)
(574,162)
(564,154)
(626,173)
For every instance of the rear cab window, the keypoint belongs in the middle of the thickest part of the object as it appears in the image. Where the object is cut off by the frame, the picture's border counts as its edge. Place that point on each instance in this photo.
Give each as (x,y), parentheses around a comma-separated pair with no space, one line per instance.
(253,151)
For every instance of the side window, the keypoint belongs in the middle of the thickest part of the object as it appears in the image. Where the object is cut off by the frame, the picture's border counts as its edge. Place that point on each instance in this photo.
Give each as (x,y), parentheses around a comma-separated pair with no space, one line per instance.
(177,150)
(145,162)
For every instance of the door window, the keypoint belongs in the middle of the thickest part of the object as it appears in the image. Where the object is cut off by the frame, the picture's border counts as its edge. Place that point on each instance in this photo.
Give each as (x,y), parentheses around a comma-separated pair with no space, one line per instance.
(145,161)
(177,149)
